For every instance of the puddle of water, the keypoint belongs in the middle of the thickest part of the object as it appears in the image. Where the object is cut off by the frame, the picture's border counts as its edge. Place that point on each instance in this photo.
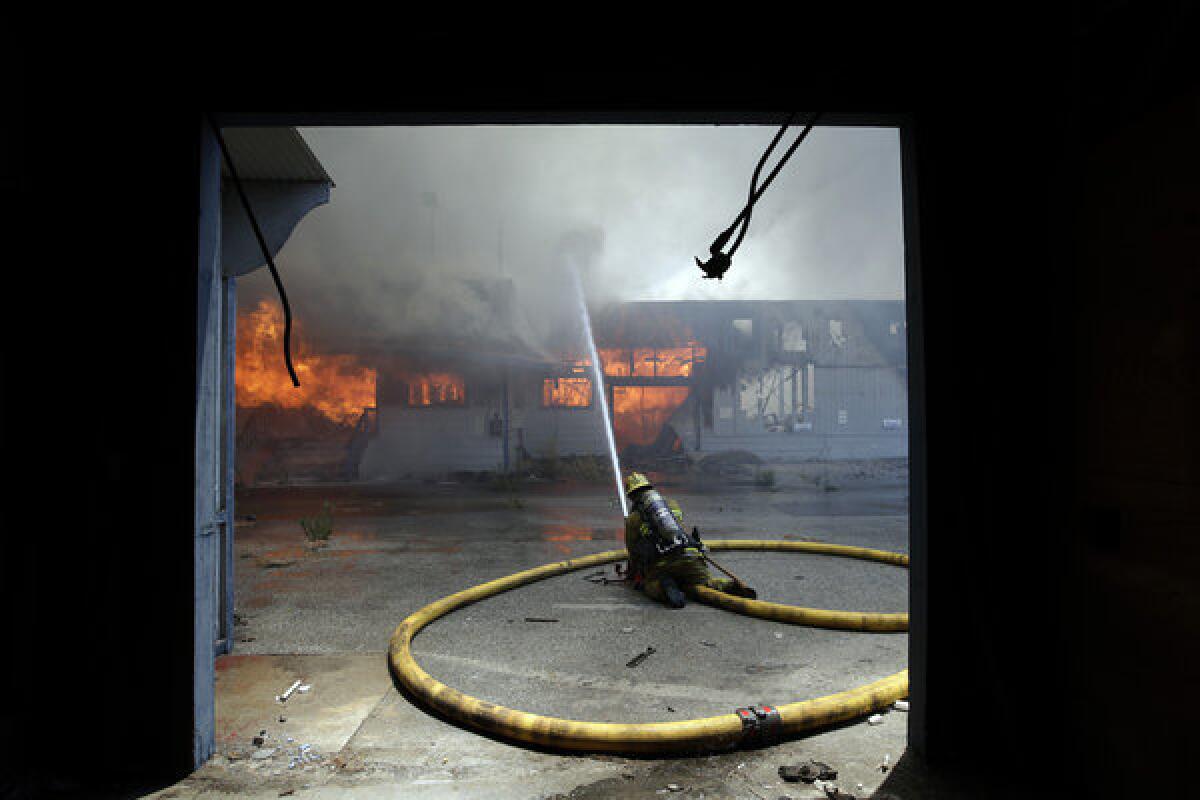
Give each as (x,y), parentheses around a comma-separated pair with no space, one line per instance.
(561,535)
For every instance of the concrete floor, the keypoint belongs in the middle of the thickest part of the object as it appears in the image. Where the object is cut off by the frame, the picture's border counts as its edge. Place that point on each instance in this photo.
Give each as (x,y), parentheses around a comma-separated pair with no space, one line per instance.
(324,616)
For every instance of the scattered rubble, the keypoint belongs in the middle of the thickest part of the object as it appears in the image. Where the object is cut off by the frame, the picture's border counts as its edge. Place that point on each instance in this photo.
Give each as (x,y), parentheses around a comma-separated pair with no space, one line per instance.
(640,657)
(900,705)
(808,772)
(263,753)
(627,629)
(875,719)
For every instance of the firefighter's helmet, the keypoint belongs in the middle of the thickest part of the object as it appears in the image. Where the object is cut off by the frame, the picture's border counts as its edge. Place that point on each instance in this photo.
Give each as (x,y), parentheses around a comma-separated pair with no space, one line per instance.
(636,481)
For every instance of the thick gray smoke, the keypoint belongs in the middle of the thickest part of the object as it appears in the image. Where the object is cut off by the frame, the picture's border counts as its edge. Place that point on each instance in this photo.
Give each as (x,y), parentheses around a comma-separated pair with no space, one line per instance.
(416,208)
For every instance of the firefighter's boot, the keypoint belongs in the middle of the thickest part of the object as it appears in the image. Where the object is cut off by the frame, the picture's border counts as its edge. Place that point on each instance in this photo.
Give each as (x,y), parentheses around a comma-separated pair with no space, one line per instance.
(673,595)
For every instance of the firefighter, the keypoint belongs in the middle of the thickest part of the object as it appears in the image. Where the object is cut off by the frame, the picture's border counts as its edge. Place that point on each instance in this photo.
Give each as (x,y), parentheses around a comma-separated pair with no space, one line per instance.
(663,557)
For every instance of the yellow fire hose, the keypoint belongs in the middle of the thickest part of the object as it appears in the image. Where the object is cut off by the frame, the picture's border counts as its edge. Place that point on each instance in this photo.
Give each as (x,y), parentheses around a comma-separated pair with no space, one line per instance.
(748,726)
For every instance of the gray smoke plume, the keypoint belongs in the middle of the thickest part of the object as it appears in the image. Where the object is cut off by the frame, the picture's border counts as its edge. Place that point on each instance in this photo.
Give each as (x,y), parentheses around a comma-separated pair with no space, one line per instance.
(417,209)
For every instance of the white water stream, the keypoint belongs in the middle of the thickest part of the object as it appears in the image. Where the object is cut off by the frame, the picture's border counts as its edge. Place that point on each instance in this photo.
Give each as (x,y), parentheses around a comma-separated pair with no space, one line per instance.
(598,372)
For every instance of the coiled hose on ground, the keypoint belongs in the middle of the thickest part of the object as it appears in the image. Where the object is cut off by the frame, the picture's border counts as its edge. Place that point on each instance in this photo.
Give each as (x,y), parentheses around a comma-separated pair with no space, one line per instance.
(750,726)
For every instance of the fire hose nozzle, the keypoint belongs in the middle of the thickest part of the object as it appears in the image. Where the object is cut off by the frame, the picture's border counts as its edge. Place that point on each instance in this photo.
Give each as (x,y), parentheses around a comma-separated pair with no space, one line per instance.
(715,267)
(719,264)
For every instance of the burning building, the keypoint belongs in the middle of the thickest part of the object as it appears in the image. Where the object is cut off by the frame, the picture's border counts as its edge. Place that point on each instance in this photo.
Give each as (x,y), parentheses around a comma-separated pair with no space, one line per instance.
(786,381)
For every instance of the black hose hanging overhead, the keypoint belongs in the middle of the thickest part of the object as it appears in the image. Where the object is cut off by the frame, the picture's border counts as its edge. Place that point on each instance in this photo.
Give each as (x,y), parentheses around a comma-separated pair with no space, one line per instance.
(720,261)
(266,251)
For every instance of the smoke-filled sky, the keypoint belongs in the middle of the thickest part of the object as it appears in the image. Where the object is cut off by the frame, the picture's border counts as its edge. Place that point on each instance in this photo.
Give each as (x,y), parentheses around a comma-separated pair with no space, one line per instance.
(634,204)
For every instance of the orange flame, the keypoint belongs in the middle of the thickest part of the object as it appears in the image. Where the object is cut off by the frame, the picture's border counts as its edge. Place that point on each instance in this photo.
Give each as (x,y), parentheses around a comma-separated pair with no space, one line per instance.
(640,412)
(566,392)
(652,362)
(339,386)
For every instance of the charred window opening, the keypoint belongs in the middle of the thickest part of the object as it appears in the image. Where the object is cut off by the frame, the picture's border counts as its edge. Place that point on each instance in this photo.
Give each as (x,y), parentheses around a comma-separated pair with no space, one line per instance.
(567,393)
(435,389)
(837,333)
(652,362)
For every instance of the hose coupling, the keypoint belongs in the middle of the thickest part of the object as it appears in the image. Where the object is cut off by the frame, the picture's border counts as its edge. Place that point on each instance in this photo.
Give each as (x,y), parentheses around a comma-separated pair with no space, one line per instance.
(761,725)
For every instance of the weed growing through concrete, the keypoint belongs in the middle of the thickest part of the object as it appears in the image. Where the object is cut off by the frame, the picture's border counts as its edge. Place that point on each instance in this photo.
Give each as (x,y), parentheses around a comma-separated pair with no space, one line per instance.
(320,527)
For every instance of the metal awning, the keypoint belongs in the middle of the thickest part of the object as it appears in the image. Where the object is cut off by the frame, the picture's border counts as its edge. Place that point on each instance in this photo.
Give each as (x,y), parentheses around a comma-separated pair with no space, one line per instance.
(284,181)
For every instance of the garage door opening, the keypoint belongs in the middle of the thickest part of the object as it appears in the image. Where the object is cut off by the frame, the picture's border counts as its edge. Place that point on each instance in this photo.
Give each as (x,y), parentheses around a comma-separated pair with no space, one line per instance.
(448,431)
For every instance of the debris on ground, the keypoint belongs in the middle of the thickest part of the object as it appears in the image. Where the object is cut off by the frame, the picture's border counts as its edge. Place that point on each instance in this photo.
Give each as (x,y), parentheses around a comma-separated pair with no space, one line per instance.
(900,705)
(257,741)
(708,644)
(887,757)
(263,753)
(640,657)
(808,772)
(287,793)
(674,787)
(283,719)
(352,763)
(670,709)
(594,577)
(834,793)
(304,687)
(282,698)
(778,635)
(875,719)
(627,629)
(540,619)
(762,669)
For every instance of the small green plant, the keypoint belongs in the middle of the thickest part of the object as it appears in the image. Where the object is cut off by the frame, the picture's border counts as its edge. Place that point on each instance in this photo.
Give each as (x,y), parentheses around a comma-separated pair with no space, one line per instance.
(764,478)
(320,527)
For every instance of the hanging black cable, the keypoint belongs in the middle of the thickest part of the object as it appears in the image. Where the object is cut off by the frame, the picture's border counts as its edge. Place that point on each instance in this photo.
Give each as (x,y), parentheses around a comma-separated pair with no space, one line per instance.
(720,261)
(754,181)
(262,243)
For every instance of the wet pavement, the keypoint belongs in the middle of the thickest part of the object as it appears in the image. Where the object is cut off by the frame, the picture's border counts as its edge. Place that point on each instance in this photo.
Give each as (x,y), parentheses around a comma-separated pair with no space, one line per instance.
(324,615)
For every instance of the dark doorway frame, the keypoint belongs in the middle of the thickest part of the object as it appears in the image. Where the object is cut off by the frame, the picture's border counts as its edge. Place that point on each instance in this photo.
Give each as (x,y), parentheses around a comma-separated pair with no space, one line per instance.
(207,613)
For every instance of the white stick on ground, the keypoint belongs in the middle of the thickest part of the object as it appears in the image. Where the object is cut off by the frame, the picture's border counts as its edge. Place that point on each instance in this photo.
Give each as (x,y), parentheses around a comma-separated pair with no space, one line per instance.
(282,698)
